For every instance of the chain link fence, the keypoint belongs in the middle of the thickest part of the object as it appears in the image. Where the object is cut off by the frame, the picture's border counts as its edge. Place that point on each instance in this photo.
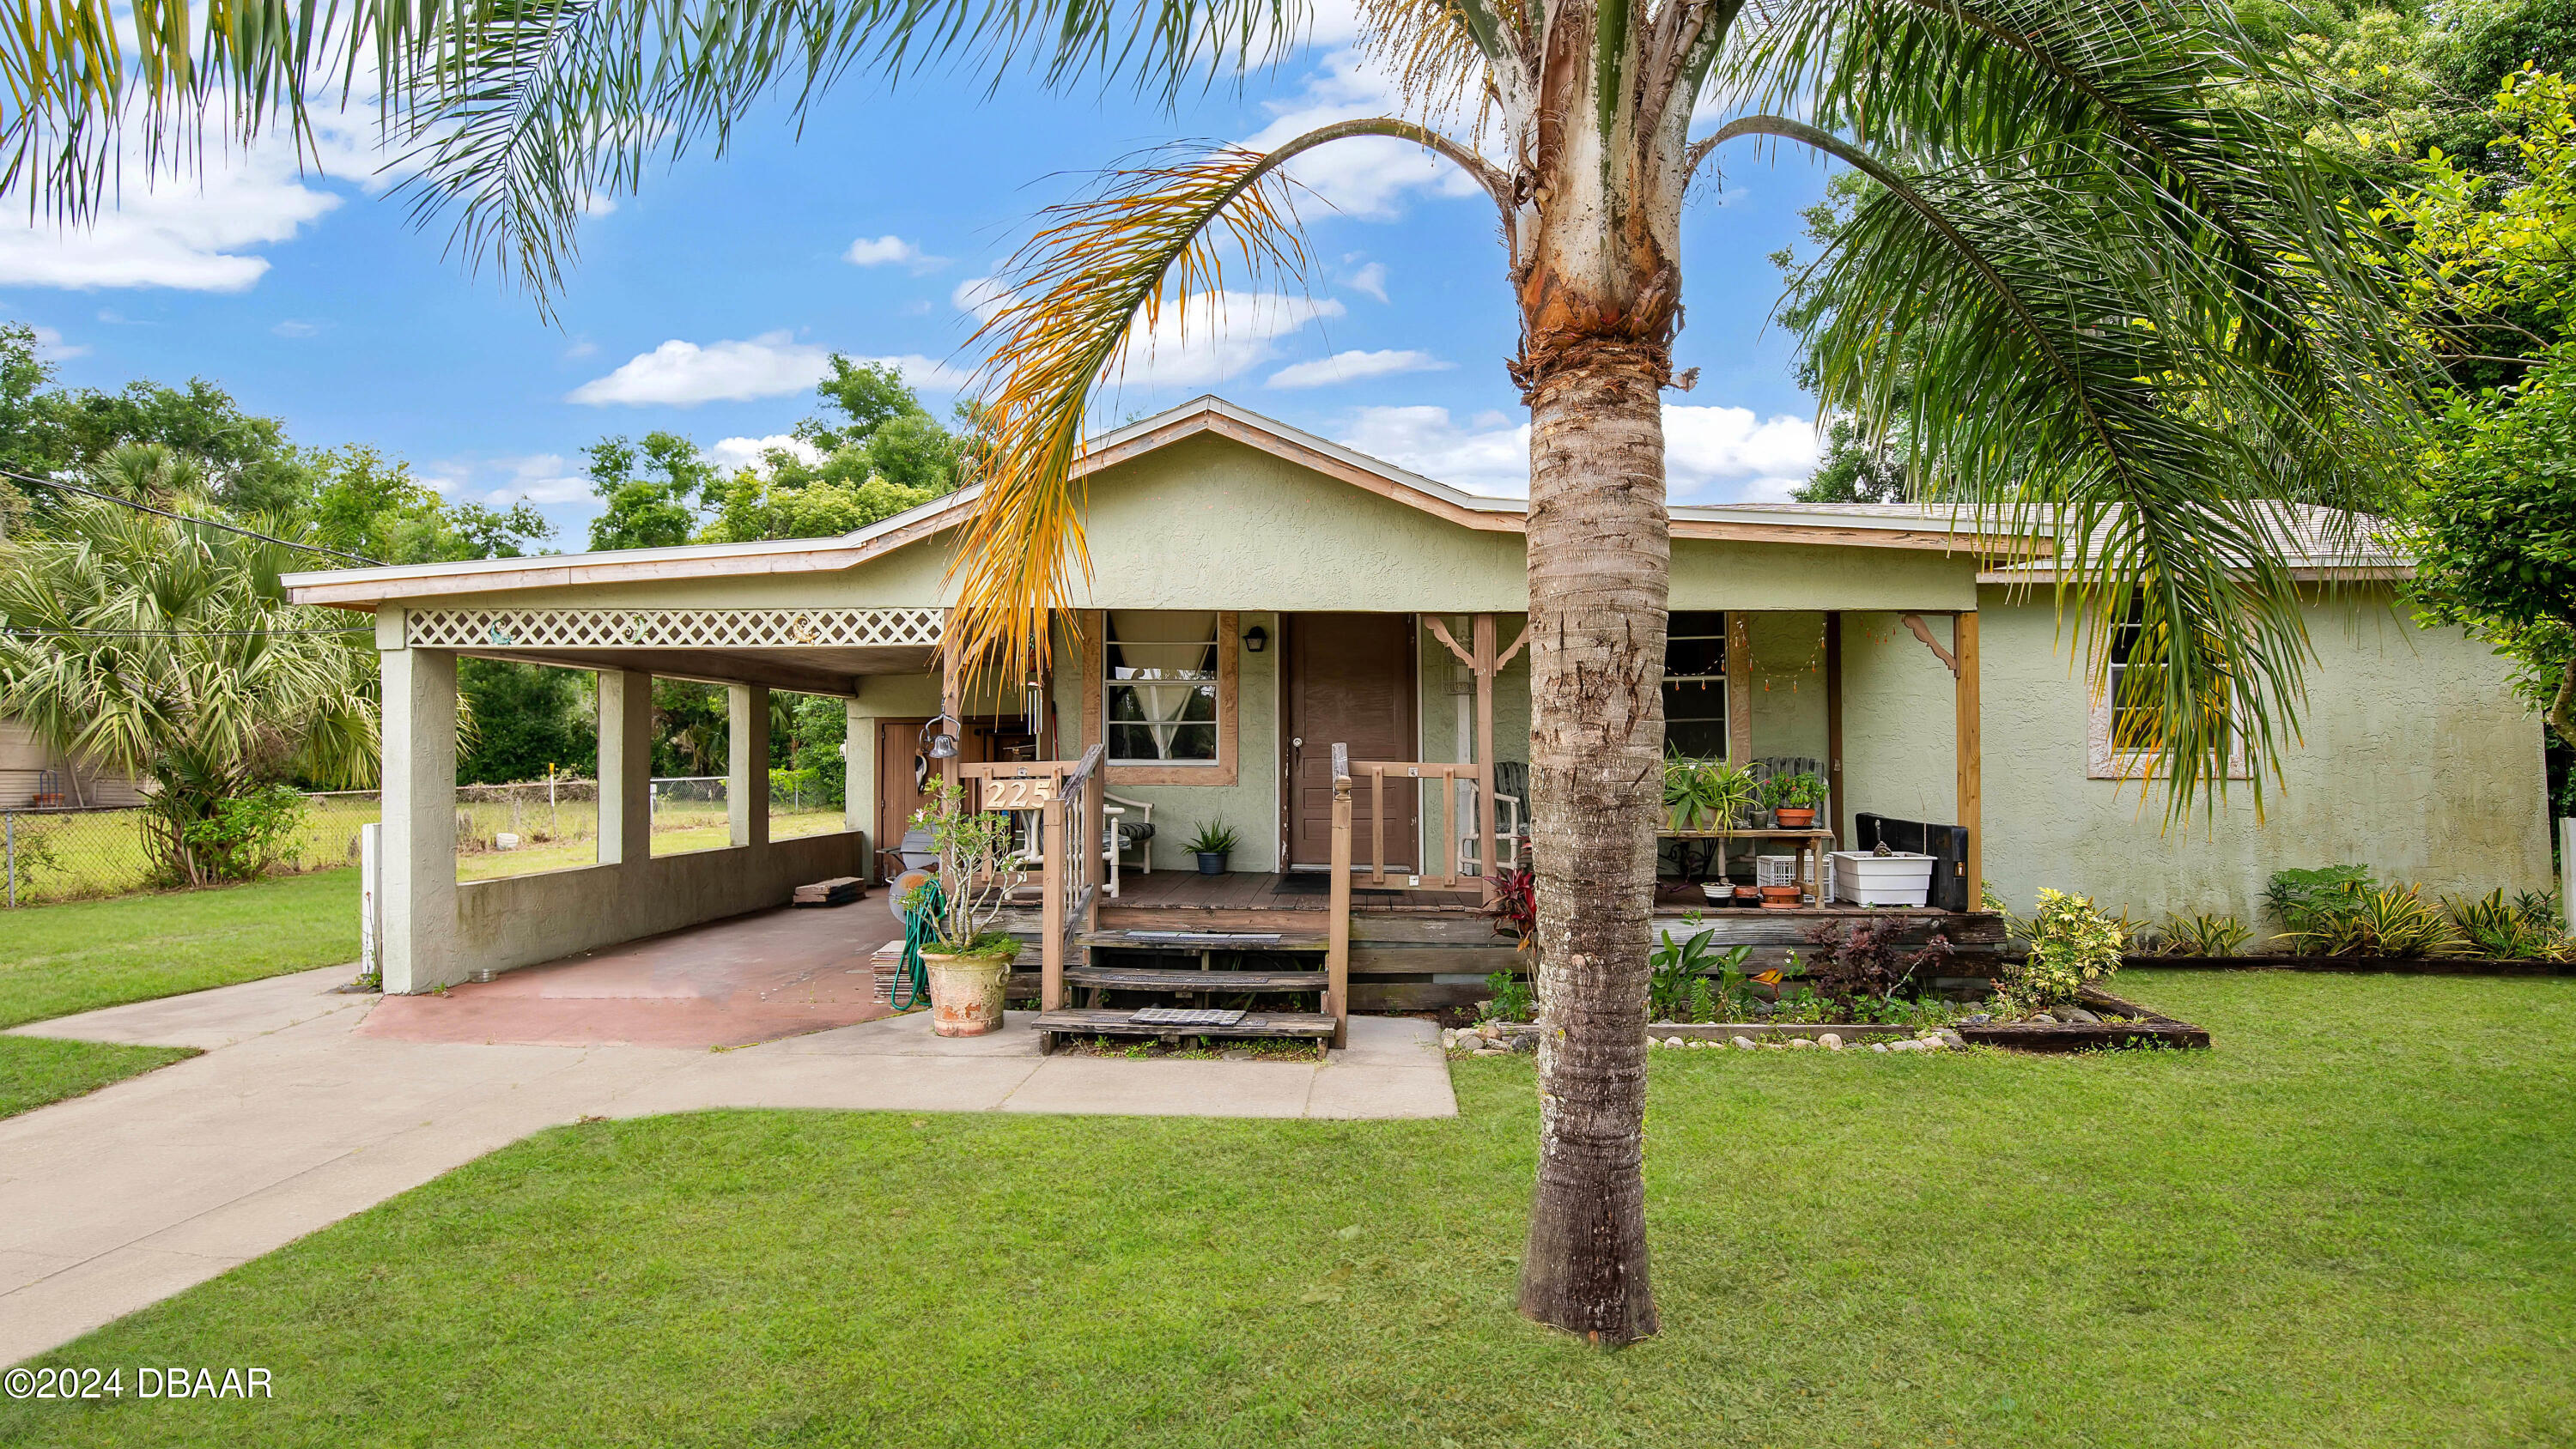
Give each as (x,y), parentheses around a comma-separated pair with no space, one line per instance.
(54,855)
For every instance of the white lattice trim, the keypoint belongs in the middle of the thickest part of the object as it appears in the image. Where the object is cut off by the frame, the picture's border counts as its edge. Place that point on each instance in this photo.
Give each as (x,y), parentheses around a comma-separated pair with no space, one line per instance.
(671,628)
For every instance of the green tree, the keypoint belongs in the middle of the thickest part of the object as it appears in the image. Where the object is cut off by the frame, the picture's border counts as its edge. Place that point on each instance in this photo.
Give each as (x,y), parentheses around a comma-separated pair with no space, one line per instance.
(1855,469)
(365,503)
(166,650)
(2136,311)
(527,719)
(653,490)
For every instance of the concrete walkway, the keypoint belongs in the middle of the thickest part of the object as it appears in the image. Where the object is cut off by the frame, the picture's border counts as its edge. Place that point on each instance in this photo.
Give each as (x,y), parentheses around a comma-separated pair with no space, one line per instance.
(296,1118)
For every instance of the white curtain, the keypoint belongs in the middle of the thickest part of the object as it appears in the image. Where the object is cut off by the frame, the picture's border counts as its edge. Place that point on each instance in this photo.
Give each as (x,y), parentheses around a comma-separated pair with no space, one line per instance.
(1170,645)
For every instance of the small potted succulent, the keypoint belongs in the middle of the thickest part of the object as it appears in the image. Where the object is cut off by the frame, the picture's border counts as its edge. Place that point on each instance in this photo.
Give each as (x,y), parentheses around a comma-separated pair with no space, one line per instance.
(1792,799)
(1212,845)
(967,961)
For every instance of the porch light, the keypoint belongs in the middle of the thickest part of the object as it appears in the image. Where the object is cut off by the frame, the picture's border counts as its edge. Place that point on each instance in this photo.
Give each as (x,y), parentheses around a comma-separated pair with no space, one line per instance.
(1255,639)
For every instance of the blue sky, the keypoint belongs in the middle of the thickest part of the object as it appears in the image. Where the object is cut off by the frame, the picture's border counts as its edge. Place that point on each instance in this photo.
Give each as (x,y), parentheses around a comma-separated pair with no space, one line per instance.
(706,303)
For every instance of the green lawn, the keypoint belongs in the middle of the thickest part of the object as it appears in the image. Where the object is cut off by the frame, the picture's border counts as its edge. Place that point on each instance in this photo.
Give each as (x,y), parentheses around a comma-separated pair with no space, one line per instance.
(57,960)
(2347,1225)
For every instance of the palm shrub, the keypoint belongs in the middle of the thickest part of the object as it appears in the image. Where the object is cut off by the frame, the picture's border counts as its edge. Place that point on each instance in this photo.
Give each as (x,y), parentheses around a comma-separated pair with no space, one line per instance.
(163,649)
(2198,933)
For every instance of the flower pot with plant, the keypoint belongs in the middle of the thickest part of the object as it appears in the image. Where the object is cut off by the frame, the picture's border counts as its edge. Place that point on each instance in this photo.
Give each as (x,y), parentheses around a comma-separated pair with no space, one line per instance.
(1792,799)
(1212,845)
(968,962)
(1706,794)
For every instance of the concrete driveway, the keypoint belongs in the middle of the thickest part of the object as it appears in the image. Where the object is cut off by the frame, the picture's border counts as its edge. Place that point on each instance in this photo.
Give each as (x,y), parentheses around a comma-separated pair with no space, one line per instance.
(299,1115)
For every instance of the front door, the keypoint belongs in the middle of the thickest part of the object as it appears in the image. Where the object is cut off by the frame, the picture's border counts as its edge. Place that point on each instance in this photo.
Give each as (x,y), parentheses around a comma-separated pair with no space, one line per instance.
(1350,681)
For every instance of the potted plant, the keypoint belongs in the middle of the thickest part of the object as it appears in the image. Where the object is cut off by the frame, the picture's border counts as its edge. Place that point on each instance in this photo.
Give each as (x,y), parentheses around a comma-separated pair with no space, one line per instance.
(1705,794)
(1792,799)
(1212,845)
(968,962)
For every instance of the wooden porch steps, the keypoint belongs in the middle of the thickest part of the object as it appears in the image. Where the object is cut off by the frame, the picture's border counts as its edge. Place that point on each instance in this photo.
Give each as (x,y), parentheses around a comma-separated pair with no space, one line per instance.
(1128,978)
(1196,942)
(1077,1022)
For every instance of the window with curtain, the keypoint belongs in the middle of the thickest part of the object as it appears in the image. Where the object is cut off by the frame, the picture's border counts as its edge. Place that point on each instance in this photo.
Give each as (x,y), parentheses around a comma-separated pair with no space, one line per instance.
(1161,689)
(1695,683)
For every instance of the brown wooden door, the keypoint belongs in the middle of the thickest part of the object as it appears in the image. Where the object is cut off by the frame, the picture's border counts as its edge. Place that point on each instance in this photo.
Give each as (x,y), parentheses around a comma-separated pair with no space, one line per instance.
(898,740)
(1350,681)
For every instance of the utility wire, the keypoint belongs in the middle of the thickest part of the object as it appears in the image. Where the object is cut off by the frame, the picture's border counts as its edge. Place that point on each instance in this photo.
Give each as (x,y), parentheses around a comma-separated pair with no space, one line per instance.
(187,517)
(16,633)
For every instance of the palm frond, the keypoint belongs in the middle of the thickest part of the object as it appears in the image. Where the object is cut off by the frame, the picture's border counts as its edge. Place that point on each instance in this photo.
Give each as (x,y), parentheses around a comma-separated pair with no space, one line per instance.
(517,113)
(2103,300)
(1101,272)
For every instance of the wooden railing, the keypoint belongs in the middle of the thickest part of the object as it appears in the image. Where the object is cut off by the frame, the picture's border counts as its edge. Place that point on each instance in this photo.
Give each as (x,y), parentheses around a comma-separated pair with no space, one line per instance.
(1376,773)
(1066,796)
(1337,940)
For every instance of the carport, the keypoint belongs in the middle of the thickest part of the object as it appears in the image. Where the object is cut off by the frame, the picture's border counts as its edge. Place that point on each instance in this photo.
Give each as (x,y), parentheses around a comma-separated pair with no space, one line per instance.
(628,618)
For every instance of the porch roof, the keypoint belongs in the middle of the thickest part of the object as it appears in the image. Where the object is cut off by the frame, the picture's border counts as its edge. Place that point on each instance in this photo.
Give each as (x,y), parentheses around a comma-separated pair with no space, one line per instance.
(1898,526)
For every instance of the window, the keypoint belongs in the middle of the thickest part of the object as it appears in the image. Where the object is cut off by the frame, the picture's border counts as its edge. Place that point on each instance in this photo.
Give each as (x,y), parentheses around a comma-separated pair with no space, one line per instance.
(1160,686)
(1695,683)
(2126,729)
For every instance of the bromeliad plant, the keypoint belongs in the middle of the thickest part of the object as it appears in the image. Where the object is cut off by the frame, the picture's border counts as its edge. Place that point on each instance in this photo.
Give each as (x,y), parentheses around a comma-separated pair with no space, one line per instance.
(978,870)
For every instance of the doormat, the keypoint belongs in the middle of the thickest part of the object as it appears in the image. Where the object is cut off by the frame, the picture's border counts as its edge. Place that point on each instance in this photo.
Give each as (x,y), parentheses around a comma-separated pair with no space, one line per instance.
(1185,1016)
(1317,883)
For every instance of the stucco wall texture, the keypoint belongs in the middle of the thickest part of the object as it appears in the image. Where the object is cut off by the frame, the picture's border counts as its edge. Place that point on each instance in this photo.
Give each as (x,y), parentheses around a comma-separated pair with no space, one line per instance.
(2413,759)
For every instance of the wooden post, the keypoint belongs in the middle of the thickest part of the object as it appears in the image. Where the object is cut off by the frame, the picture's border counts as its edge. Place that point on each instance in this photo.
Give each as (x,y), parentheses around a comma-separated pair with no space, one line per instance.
(952,703)
(1051,828)
(1337,953)
(1096,849)
(1971,737)
(1739,688)
(1488,862)
(1840,819)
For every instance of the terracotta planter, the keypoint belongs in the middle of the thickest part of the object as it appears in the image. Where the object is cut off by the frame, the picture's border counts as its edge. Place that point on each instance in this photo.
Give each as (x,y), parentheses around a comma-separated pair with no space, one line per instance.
(1796,817)
(966,993)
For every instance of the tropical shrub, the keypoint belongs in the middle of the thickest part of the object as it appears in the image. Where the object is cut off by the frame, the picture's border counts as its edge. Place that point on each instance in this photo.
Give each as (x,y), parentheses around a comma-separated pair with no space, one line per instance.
(2072,945)
(1678,987)
(2493,927)
(2292,891)
(1513,998)
(2363,918)
(2200,933)
(243,836)
(1857,964)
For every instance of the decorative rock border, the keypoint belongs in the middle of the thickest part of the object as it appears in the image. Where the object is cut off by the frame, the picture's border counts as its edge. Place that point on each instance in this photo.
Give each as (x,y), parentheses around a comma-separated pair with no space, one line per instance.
(2145,1027)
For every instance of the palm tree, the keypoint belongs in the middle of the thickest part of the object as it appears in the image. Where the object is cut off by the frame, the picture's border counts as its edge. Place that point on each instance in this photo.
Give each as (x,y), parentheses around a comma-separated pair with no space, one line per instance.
(164,650)
(2125,307)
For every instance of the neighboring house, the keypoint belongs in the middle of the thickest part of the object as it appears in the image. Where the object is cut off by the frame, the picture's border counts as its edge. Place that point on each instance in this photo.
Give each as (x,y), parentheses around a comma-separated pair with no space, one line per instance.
(1256,595)
(35,776)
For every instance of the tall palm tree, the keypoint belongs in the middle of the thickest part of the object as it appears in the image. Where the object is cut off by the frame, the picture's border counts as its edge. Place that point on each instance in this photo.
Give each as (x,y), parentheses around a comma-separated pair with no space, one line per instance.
(2125,308)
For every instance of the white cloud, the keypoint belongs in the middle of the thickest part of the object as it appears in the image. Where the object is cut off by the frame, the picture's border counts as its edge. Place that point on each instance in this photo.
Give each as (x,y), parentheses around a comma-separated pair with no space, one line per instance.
(292,328)
(1711,454)
(1216,336)
(1369,281)
(536,478)
(683,374)
(1353,366)
(736,453)
(1368,176)
(51,347)
(884,250)
(980,297)
(197,231)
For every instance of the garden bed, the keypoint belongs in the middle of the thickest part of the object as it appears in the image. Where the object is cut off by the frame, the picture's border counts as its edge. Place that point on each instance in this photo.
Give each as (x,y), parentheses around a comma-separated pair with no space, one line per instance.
(2145,1027)
(2138,1026)
(2400,965)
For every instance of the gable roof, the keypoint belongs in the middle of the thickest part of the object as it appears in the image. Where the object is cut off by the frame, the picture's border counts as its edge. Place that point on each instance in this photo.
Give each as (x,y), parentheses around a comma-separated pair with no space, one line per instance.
(1904,526)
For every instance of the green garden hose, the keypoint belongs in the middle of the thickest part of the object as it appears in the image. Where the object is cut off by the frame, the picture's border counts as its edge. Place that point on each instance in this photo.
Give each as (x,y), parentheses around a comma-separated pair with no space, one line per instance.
(920,927)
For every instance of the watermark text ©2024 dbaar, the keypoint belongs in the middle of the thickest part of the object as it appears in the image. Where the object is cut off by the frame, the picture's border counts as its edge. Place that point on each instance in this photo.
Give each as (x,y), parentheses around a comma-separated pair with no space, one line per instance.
(157,1381)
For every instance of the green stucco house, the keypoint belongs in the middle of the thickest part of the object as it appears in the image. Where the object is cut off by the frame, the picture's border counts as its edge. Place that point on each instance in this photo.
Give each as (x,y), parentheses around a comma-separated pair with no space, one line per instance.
(1256,595)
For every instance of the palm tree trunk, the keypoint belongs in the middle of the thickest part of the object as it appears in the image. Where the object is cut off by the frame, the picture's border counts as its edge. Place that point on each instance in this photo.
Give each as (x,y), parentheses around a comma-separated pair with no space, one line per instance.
(1600,555)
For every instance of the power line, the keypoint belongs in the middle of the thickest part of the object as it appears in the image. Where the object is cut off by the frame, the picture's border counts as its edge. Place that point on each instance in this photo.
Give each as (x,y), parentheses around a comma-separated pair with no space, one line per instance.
(16,633)
(188,517)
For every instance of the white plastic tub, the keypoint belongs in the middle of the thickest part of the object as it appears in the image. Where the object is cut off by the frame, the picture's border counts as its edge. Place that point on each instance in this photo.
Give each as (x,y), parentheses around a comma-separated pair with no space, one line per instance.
(1864,879)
